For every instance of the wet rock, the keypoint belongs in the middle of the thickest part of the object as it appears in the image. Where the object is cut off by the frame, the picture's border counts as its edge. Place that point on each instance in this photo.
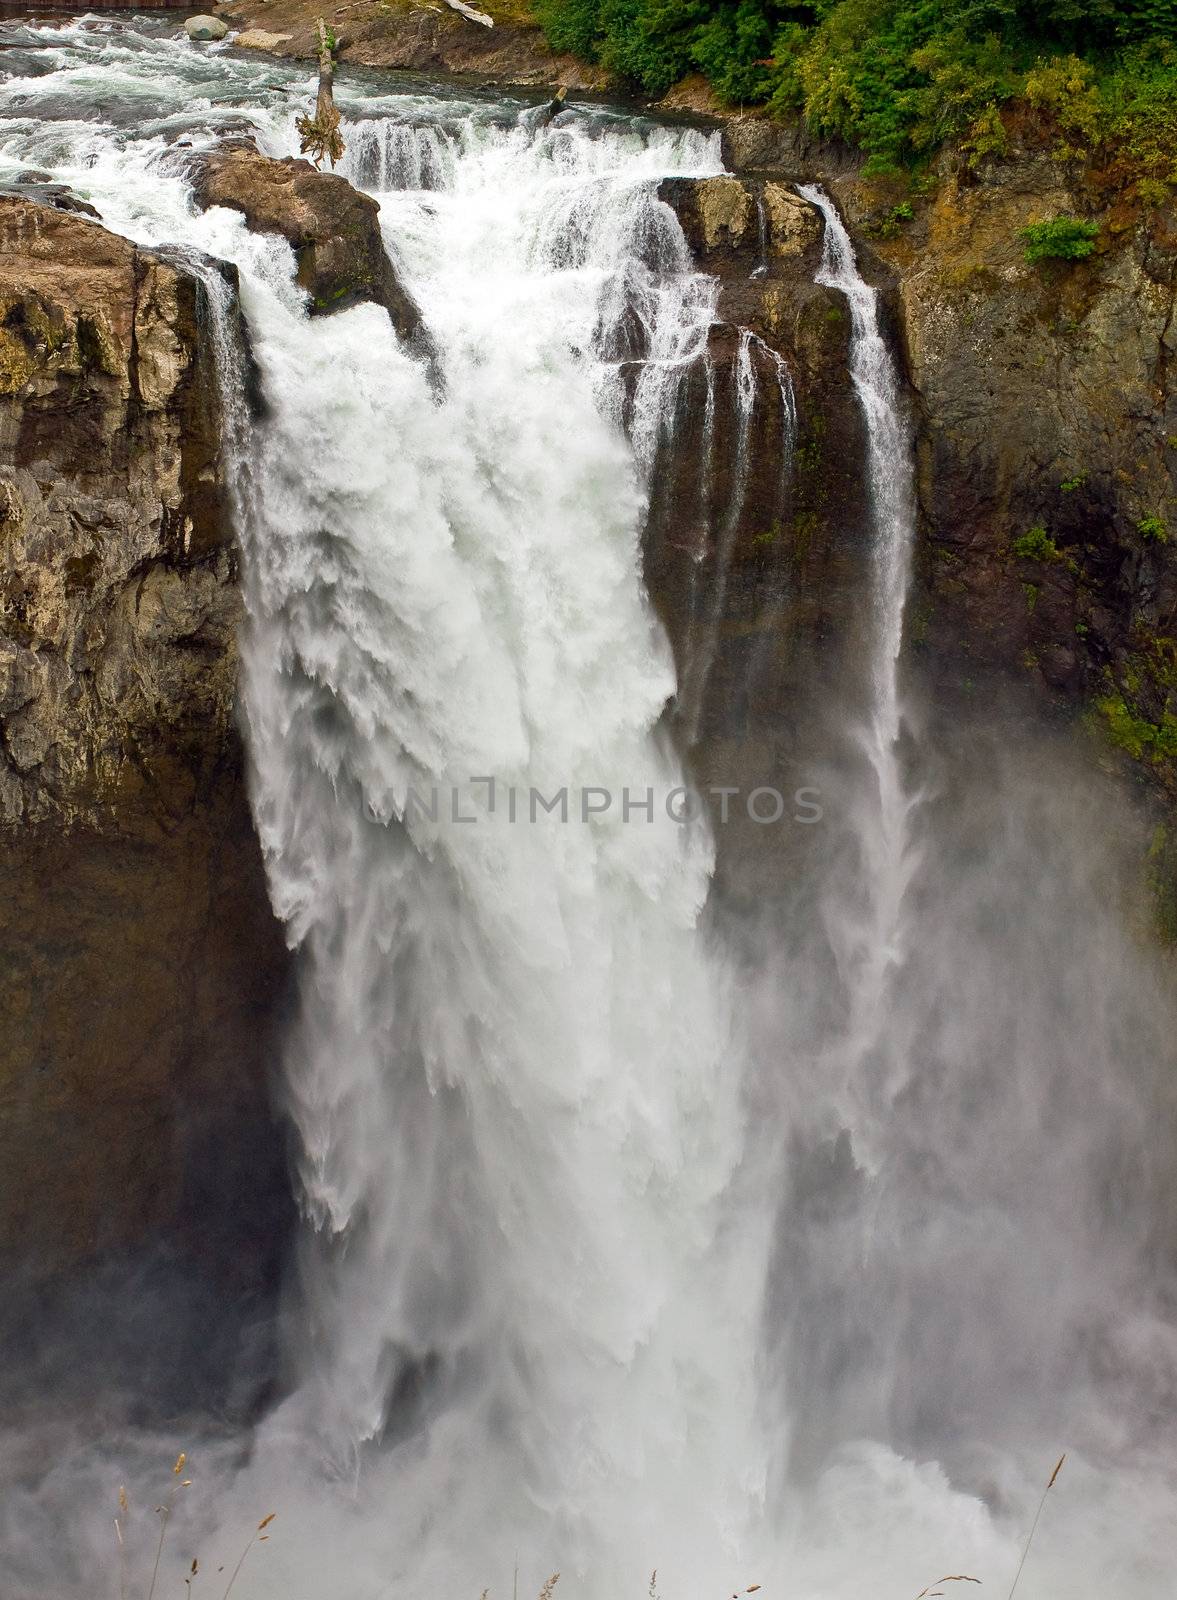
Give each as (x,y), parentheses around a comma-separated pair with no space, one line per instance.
(31,186)
(333,229)
(757,551)
(206,30)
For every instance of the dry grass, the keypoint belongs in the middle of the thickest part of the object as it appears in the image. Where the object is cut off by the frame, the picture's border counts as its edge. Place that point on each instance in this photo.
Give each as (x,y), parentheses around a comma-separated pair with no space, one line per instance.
(933,1591)
(1034,1525)
(164,1513)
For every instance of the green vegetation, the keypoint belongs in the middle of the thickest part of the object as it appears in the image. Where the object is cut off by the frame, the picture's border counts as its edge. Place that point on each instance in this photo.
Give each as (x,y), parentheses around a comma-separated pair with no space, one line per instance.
(898,78)
(1036,545)
(891,224)
(1153,530)
(1134,733)
(1139,706)
(1062,239)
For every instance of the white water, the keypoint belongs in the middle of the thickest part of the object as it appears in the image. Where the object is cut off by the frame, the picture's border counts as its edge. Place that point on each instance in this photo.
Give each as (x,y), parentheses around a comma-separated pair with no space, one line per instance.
(870,942)
(531,1309)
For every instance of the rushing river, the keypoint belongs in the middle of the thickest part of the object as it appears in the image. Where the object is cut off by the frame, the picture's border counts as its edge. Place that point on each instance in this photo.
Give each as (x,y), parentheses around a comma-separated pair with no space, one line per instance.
(566,1299)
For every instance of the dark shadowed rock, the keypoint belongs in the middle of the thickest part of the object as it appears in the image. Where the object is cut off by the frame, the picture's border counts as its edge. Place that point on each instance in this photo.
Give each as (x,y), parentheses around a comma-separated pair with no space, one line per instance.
(140,965)
(758,560)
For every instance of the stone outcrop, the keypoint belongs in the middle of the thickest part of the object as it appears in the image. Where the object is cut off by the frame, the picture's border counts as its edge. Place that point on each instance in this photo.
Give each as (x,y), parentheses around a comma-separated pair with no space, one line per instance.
(141,969)
(1047,448)
(801,524)
(1044,415)
(769,599)
(333,229)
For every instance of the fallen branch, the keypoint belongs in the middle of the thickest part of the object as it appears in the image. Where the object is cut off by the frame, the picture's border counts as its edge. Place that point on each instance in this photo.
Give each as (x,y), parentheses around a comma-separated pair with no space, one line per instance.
(320,136)
(470,13)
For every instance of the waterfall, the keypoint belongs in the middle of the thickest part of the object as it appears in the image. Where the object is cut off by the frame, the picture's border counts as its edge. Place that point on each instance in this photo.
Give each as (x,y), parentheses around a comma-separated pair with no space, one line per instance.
(872,940)
(511,1034)
(558,1306)
(515,1073)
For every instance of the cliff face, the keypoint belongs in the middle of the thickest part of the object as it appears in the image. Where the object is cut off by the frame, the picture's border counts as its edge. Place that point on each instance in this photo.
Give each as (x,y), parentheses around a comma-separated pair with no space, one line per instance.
(1047,437)
(140,966)
(1045,431)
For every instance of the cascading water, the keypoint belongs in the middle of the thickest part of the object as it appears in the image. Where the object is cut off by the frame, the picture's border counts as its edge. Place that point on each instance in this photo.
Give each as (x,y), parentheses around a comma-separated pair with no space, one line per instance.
(515,1076)
(531,1322)
(510,1030)
(887,860)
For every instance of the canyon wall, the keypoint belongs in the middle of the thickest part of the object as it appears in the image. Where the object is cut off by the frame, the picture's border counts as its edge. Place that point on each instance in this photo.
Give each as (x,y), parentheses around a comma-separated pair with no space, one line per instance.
(141,971)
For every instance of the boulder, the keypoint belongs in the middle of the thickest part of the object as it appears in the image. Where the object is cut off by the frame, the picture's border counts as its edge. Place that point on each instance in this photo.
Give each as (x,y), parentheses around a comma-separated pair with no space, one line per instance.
(206,30)
(333,229)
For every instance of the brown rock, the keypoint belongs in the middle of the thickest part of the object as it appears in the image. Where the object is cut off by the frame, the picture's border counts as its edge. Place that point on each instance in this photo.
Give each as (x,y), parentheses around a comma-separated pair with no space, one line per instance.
(140,964)
(333,229)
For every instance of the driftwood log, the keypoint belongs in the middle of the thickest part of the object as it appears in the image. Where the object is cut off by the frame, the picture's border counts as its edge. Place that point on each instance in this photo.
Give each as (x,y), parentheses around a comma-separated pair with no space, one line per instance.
(320,136)
(470,12)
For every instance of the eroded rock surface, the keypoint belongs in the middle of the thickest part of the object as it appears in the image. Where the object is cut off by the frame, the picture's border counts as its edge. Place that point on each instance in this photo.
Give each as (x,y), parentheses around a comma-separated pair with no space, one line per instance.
(140,965)
(1048,446)
(765,605)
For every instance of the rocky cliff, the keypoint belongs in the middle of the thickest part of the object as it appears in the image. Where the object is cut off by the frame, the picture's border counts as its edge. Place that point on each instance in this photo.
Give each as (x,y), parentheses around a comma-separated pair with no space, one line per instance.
(142,971)
(1045,428)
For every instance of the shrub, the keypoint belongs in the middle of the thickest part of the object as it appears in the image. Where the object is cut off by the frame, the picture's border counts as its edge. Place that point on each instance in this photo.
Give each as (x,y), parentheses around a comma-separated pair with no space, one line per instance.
(1036,545)
(1153,529)
(1063,239)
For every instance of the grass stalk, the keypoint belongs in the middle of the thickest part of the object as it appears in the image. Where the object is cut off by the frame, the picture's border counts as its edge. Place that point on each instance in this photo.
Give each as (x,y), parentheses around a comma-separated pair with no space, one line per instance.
(164,1513)
(259,1537)
(1034,1526)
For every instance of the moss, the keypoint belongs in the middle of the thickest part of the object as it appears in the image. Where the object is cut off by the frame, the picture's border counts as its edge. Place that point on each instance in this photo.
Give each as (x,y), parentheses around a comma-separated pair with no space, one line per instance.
(49,334)
(919,625)
(807,455)
(324,302)
(96,347)
(1030,590)
(892,222)
(1136,734)
(804,525)
(17,363)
